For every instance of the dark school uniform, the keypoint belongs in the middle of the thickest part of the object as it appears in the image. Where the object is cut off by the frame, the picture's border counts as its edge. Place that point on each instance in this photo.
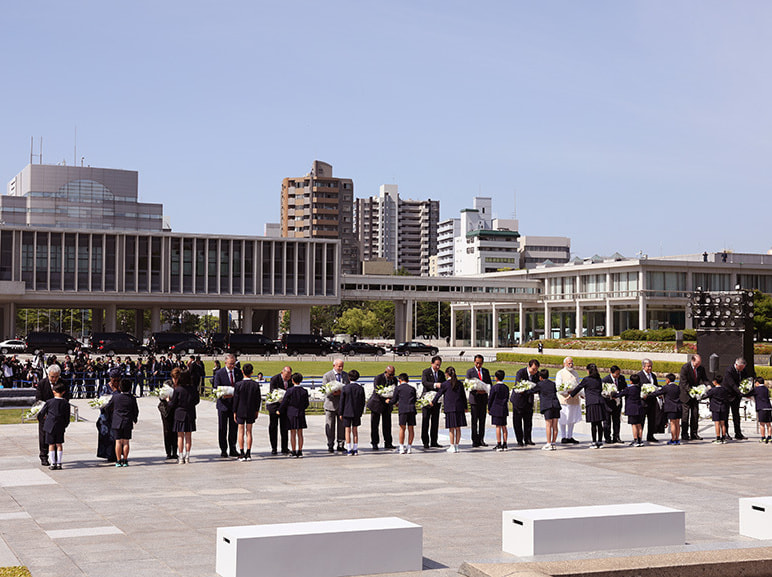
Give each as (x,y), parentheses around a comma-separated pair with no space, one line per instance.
(672,406)
(634,408)
(498,404)
(55,416)
(594,403)
(294,404)
(455,404)
(246,401)
(719,403)
(549,404)
(404,398)
(352,404)
(124,413)
(522,408)
(183,404)
(760,395)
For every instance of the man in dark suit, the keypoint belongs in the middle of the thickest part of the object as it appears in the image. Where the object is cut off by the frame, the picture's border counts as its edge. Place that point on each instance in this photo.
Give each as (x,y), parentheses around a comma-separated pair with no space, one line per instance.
(431,379)
(380,410)
(653,411)
(45,392)
(692,374)
(731,383)
(228,376)
(278,423)
(478,402)
(611,424)
(522,404)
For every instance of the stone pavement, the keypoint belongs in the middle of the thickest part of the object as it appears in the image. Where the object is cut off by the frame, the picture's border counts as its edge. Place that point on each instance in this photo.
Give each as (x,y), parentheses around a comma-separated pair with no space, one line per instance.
(159,518)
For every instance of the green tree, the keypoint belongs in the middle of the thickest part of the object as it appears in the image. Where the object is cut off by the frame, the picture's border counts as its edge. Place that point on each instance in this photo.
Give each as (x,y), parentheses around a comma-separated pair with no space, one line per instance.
(360,322)
(384,310)
(762,315)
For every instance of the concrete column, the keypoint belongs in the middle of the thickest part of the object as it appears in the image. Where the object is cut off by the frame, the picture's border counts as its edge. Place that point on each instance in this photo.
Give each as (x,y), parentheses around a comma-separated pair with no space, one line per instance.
(111,318)
(224,324)
(246,325)
(452,326)
(97,320)
(400,315)
(579,320)
(521,321)
(562,324)
(473,315)
(139,323)
(300,319)
(547,321)
(495,328)
(155,319)
(642,312)
(409,320)
(9,311)
(609,318)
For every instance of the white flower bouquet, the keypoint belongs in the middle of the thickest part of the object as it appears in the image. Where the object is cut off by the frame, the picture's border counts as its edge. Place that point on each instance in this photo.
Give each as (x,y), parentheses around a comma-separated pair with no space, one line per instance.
(165,392)
(275,396)
(100,402)
(522,386)
(386,392)
(475,385)
(221,392)
(746,385)
(609,389)
(33,411)
(425,401)
(647,389)
(698,392)
(565,387)
(331,387)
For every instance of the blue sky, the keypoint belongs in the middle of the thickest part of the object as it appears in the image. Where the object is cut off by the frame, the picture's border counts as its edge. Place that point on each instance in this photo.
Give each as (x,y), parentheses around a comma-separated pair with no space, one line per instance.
(628,126)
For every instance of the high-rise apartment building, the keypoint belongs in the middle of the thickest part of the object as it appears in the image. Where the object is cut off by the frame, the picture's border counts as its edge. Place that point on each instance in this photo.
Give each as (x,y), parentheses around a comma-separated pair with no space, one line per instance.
(80,197)
(319,205)
(402,231)
(447,231)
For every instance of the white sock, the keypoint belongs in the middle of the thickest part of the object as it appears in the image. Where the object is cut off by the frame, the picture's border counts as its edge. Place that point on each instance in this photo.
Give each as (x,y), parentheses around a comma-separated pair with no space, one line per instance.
(58,457)
(52,457)
(356,446)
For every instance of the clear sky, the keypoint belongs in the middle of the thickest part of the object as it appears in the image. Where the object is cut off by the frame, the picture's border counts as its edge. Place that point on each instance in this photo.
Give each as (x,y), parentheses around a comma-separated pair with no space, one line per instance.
(628,126)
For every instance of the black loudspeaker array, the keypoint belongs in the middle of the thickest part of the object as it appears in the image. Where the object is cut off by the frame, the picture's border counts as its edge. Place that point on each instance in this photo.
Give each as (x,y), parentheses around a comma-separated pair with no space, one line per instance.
(721,310)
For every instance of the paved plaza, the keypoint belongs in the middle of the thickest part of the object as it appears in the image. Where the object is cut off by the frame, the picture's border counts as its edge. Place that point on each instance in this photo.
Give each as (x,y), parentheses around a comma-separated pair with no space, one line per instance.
(159,518)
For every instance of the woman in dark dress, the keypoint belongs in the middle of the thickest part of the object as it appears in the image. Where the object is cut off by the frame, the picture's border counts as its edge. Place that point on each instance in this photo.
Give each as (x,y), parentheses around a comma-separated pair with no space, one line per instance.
(634,408)
(549,406)
(595,404)
(760,394)
(183,404)
(294,405)
(455,407)
(672,407)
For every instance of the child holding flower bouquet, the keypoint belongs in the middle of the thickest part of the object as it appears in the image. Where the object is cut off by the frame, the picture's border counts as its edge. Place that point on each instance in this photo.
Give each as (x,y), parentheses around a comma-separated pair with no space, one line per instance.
(719,408)
(672,407)
(760,395)
(549,405)
(498,409)
(405,398)
(352,405)
(294,405)
(455,407)
(634,408)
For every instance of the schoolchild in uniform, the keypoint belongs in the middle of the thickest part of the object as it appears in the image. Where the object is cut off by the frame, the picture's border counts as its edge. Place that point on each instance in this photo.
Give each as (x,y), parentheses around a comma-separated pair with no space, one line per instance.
(719,408)
(760,394)
(498,409)
(672,407)
(294,405)
(633,408)
(55,416)
(352,405)
(183,404)
(404,398)
(549,407)
(124,413)
(455,405)
(595,404)
(167,423)
(246,407)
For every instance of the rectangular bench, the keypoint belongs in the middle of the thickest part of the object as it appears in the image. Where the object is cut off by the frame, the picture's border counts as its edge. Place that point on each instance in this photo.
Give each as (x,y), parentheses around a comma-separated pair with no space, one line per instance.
(756,517)
(531,532)
(320,548)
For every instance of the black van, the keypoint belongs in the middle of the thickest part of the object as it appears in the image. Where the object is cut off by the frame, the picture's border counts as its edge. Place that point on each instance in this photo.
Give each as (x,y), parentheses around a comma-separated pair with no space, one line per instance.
(251,343)
(52,343)
(116,343)
(160,342)
(299,344)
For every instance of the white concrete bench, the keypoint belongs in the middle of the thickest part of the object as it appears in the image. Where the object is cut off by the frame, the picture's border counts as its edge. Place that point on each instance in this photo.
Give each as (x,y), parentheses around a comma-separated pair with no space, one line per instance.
(531,532)
(756,517)
(320,548)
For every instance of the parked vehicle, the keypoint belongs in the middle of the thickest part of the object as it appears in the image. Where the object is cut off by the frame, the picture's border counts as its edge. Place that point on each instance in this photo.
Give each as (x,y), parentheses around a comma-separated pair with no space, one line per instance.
(360,348)
(117,343)
(52,343)
(251,343)
(298,344)
(12,346)
(160,342)
(414,348)
(218,343)
(190,346)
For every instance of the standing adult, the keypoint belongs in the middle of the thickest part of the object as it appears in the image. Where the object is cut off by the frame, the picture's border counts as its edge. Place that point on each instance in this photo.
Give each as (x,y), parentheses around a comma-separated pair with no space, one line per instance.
(732,378)
(431,380)
(246,408)
(613,420)
(652,405)
(183,404)
(692,374)
(278,423)
(380,410)
(333,422)
(228,376)
(571,407)
(522,404)
(45,392)
(478,401)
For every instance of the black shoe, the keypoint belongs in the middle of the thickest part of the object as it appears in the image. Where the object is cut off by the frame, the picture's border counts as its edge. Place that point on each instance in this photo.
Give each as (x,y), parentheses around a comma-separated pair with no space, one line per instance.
(696,438)
(564,441)
(341,449)
(426,447)
(274,452)
(475,445)
(530,443)
(573,441)
(436,446)
(483,444)
(617,440)
(375,447)
(686,437)
(652,440)
(170,457)
(330,450)
(519,444)
(285,451)
(234,453)
(740,437)
(389,447)
(45,463)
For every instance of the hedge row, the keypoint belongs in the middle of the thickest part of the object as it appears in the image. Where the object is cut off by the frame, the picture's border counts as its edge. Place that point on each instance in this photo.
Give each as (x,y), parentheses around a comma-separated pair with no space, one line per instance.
(656,335)
(627,365)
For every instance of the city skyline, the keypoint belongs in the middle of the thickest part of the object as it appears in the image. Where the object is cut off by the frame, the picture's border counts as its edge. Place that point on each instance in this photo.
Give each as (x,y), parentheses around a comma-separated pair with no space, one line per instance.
(625,126)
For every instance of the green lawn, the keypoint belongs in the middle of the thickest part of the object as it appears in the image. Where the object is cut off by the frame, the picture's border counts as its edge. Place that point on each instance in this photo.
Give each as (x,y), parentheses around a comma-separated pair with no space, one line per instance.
(12,417)
(14,572)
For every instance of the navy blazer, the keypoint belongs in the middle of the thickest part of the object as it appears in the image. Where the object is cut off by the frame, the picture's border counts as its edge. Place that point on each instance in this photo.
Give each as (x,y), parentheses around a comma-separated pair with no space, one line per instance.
(376,403)
(405,397)
(719,399)
(277,382)
(183,402)
(55,415)
(498,400)
(429,382)
(123,410)
(548,395)
(246,399)
(688,379)
(352,401)
(672,394)
(295,401)
(731,382)
(523,402)
(593,387)
(221,379)
(481,396)
(633,401)
(760,394)
(455,399)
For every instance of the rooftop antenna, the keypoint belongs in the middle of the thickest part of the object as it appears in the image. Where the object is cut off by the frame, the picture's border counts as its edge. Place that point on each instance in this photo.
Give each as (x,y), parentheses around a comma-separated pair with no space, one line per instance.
(32,155)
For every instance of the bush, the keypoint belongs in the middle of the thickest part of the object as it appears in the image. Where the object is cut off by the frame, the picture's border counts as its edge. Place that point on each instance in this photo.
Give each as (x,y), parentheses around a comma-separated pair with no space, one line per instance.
(660,335)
